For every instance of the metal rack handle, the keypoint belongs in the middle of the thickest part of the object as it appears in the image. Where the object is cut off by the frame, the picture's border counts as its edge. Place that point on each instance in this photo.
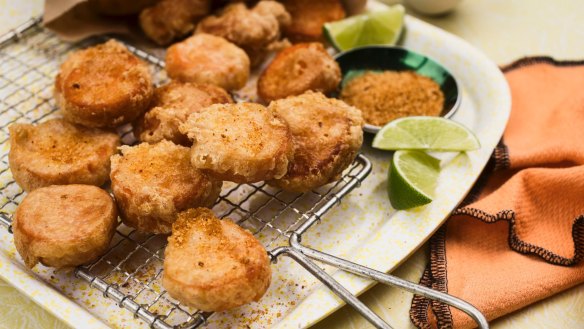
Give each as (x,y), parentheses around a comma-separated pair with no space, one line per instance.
(334,285)
(385,278)
(6,221)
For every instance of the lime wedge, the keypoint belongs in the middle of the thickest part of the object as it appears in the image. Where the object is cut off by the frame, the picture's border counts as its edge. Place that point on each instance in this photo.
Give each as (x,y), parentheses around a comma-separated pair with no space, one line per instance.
(412,179)
(380,27)
(425,133)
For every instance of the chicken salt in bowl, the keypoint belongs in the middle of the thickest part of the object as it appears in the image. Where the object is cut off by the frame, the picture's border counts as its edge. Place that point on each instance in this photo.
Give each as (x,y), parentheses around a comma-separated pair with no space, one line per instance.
(371,62)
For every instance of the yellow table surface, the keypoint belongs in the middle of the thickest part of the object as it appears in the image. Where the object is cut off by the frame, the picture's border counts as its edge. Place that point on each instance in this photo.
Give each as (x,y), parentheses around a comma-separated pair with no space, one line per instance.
(505,30)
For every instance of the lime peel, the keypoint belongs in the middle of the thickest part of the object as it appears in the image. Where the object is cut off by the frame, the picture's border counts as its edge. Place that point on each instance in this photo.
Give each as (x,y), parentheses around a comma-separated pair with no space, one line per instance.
(381,26)
(412,179)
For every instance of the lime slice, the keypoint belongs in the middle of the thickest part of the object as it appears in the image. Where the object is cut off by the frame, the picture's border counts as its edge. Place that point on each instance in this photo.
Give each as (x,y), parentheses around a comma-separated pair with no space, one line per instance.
(380,27)
(412,179)
(425,133)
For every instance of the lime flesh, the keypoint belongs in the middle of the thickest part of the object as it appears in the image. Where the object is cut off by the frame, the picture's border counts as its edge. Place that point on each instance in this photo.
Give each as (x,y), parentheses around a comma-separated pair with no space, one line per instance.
(425,133)
(412,179)
(379,27)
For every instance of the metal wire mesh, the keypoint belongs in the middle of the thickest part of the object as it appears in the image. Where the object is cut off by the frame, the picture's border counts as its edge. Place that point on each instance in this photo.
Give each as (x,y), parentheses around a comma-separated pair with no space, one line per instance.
(130,272)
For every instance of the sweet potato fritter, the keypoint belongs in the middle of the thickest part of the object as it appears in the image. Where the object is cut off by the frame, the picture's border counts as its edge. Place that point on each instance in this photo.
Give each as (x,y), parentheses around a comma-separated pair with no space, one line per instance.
(57,152)
(171,106)
(103,86)
(296,69)
(256,30)
(171,19)
(326,135)
(205,58)
(308,17)
(242,143)
(212,264)
(64,226)
(152,183)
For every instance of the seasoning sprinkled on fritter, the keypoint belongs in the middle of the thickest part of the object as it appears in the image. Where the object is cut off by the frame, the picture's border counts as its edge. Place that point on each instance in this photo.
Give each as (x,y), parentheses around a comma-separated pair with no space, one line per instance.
(326,136)
(103,86)
(152,183)
(242,143)
(64,226)
(57,152)
(213,264)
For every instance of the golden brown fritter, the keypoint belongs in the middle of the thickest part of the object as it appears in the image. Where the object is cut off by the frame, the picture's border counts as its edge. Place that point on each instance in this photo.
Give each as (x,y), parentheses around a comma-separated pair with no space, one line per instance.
(296,69)
(326,133)
(205,58)
(309,16)
(171,19)
(152,183)
(64,226)
(103,86)
(171,106)
(242,143)
(120,7)
(256,30)
(57,152)
(213,264)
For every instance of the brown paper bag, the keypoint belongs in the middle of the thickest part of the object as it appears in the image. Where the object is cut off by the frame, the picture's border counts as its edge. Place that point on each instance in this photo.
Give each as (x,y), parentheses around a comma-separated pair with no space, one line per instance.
(74,20)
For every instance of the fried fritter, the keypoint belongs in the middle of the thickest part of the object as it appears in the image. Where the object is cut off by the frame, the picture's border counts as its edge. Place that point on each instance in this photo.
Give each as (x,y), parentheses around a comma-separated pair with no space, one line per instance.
(205,58)
(213,264)
(171,106)
(120,7)
(64,226)
(242,143)
(296,69)
(152,183)
(309,16)
(326,134)
(103,86)
(57,152)
(171,19)
(256,30)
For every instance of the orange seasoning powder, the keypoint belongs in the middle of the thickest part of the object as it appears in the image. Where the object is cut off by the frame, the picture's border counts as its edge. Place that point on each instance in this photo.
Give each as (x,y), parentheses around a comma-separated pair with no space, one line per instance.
(385,96)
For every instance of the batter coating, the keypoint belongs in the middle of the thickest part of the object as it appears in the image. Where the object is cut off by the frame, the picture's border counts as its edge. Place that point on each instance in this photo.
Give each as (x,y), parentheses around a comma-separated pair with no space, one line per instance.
(296,69)
(326,134)
(309,16)
(171,19)
(212,264)
(64,226)
(205,58)
(57,152)
(103,86)
(171,106)
(256,30)
(152,183)
(242,143)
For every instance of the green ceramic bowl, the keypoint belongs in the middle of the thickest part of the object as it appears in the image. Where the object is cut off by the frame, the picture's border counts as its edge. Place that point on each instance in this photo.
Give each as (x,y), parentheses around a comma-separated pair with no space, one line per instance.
(382,58)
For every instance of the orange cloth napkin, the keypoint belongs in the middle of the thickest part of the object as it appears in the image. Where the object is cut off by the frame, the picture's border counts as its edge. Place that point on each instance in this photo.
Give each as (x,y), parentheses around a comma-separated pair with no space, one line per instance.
(522,237)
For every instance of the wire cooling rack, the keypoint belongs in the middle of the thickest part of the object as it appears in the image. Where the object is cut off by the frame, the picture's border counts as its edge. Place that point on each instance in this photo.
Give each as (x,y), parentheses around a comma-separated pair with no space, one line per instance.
(130,272)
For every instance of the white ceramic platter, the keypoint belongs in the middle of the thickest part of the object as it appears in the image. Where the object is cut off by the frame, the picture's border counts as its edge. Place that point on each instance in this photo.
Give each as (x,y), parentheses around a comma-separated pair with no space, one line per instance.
(363,228)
